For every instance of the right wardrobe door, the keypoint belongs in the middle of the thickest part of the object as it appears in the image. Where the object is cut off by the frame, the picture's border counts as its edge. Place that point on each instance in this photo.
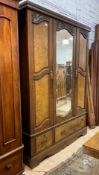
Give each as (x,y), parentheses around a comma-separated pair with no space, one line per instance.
(81,70)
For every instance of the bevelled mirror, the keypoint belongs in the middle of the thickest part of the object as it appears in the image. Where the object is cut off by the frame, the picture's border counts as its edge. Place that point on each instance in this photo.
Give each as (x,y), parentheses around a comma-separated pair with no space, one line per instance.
(64,62)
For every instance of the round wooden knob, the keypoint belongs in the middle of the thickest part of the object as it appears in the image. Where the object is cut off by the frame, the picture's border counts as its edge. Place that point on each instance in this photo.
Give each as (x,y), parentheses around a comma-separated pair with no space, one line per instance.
(8,167)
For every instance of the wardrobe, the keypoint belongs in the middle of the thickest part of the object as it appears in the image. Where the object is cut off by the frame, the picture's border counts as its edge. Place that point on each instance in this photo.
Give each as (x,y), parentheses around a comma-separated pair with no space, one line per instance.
(94,72)
(11,148)
(53,69)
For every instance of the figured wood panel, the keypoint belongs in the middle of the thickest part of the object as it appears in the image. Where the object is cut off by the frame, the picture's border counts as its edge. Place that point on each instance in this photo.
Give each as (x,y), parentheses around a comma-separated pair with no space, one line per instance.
(82,54)
(81,91)
(42,99)
(69,128)
(6,80)
(43,141)
(40,46)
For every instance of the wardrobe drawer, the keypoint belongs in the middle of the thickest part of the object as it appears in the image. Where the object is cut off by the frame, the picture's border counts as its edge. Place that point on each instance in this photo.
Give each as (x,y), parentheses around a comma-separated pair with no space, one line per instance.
(69,128)
(12,165)
(43,141)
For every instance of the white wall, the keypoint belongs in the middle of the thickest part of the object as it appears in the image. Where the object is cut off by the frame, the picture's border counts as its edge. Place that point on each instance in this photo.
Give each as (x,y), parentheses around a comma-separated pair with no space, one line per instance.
(84,11)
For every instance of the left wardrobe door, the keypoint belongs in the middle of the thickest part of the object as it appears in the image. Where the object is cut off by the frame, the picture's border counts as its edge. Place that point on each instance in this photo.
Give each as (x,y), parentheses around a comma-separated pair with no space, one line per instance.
(10,118)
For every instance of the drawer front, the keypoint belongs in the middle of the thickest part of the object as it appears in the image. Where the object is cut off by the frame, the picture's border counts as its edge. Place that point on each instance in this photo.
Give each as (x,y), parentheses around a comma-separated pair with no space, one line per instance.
(12,165)
(69,128)
(43,141)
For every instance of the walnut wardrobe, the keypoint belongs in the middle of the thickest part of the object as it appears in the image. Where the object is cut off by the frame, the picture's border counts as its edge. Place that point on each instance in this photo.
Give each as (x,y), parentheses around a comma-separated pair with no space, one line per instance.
(94,72)
(11,149)
(53,68)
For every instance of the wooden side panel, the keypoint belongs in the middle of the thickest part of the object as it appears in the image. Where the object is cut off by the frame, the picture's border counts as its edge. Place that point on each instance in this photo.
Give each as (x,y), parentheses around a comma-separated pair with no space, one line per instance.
(43,141)
(42,99)
(10,127)
(69,128)
(81,91)
(40,46)
(82,54)
(6,81)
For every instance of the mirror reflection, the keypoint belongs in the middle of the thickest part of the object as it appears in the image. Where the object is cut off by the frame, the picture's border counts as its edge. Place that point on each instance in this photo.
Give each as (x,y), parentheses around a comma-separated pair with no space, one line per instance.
(64,53)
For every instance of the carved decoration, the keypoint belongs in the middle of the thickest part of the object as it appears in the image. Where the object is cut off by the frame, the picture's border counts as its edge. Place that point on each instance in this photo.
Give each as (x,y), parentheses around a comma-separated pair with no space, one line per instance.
(41,73)
(84,33)
(38,18)
(62,25)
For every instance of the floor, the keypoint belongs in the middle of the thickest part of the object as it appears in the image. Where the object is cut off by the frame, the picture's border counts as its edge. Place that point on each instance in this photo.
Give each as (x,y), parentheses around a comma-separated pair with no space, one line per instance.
(61,156)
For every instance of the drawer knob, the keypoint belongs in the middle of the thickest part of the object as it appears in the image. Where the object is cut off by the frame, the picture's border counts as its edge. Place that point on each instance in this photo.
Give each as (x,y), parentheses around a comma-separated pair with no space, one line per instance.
(8,167)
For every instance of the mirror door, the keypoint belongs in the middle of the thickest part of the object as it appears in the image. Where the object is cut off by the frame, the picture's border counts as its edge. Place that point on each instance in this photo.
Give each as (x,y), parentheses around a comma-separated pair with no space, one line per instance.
(65,38)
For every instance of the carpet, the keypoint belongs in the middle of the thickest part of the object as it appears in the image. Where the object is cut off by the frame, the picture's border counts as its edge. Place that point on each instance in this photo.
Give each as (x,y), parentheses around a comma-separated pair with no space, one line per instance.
(79,164)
